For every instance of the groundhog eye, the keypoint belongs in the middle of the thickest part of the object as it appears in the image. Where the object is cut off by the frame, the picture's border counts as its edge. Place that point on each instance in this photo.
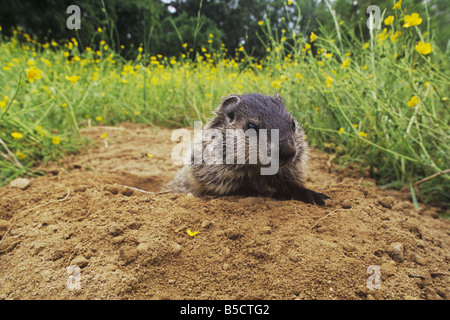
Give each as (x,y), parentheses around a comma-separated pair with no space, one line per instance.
(293,125)
(251,125)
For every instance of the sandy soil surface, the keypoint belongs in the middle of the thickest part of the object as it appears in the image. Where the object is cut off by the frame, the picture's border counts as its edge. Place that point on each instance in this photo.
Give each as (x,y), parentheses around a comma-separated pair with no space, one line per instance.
(80,232)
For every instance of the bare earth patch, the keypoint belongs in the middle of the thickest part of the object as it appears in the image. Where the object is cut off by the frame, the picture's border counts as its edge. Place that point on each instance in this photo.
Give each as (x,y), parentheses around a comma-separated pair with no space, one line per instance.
(130,244)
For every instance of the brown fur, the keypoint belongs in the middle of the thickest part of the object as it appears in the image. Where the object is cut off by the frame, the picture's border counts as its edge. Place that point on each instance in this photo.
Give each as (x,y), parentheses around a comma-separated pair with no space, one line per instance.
(265,112)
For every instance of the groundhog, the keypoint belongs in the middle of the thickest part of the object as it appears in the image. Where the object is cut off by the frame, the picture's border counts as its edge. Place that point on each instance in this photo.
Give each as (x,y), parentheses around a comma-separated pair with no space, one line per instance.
(251,112)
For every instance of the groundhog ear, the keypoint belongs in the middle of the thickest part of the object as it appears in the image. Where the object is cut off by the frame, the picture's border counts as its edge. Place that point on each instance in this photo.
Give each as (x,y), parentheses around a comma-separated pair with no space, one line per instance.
(278,97)
(228,106)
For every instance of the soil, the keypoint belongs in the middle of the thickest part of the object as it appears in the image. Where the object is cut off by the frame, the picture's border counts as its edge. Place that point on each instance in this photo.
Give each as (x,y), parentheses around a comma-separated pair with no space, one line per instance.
(87,230)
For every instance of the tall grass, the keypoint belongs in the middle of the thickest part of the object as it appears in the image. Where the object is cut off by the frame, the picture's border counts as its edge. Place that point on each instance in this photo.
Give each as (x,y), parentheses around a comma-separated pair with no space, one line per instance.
(381,104)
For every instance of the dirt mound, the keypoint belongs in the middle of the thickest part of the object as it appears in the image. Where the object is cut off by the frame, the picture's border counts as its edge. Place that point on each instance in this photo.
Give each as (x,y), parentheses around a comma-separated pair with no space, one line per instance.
(81,232)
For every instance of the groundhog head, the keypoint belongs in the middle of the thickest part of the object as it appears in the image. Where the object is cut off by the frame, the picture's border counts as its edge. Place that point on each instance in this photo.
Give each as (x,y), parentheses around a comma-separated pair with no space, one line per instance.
(256,112)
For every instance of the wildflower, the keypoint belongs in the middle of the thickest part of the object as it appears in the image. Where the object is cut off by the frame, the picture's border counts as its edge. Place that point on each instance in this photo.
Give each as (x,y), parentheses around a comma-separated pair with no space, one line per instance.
(423,48)
(365,67)
(189,232)
(412,20)
(33,73)
(99,29)
(341,130)
(365,46)
(329,81)
(395,36)
(184,45)
(290,2)
(260,23)
(345,63)
(99,118)
(276,84)
(104,136)
(64,105)
(328,55)
(150,155)
(16,135)
(20,155)
(413,101)
(388,21)
(312,37)
(73,79)
(362,134)
(307,47)
(56,140)
(397,5)
(140,49)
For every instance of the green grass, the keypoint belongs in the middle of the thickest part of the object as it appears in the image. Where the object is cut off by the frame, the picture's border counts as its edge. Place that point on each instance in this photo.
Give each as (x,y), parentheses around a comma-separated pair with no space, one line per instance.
(356,109)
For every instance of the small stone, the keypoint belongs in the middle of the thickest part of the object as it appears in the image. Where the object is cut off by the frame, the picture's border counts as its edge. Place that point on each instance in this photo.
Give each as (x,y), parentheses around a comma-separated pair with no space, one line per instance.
(175,248)
(114,189)
(206,224)
(395,251)
(115,230)
(56,255)
(81,188)
(233,234)
(266,230)
(387,202)
(171,281)
(118,239)
(347,204)
(4,225)
(128,255)
(418,259)
(20,183)
(80,261)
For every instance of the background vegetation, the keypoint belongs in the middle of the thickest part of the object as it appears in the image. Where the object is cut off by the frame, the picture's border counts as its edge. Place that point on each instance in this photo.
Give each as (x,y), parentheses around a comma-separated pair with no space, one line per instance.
(375,99)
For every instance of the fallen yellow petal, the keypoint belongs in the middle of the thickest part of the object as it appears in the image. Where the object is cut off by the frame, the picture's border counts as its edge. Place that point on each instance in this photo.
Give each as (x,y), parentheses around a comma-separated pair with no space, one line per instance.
(189,232)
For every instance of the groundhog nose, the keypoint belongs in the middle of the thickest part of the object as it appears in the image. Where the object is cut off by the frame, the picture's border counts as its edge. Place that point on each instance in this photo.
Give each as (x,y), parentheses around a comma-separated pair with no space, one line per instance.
(287,155)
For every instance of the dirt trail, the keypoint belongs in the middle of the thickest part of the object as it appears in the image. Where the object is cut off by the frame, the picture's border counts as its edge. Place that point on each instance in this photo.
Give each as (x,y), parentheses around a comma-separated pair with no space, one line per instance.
(134,245)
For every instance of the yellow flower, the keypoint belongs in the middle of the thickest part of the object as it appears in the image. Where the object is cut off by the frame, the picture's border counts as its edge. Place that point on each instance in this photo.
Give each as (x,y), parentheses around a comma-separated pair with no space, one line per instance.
(395,36)
(64,105)
(20,155)
(412,20)
(365,46)
(73,79)
(33,73)
(16,135)
(290,2)
(388,21)
(276,84)
(189,232)
(99,29)
(104,136)
(307,47)
(313,37)
(341,130)
(423,48)
(150,155)
(260,23)
(56,140)
(329,81)
(99,118)
(397,5)
(345,63)
(328,55)
(362,134)
(413,101)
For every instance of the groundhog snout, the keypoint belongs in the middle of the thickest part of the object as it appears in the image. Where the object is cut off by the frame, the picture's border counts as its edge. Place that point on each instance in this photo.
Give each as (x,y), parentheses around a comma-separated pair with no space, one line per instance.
(287,152)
